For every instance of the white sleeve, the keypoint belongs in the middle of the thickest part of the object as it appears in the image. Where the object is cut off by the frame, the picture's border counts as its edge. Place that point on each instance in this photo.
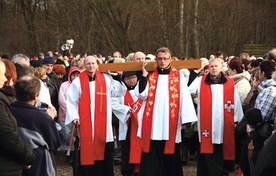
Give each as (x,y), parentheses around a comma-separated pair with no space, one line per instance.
(238,107)
(72,102)
(117,89)
(194,86)
(143,95)
(119,109)
(187,109)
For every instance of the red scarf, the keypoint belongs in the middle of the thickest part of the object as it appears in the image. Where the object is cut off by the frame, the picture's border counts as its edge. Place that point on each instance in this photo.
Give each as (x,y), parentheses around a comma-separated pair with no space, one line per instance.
(135,142)
(173,88)
(92,149)
(206,145)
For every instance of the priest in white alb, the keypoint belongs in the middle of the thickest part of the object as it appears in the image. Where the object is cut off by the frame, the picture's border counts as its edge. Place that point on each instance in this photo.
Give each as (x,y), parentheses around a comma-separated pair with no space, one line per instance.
(219,108)
(89,105)
(129,110)
(168,106)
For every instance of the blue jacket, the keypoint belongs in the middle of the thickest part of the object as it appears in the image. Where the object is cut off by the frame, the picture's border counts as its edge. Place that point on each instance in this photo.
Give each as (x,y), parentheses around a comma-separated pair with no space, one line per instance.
(39,131)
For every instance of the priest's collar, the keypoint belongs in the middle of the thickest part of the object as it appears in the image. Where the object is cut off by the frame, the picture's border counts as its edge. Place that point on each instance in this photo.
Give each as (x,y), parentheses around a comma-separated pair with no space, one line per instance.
(91,78)
(130,88)
(164,71)
(217,80)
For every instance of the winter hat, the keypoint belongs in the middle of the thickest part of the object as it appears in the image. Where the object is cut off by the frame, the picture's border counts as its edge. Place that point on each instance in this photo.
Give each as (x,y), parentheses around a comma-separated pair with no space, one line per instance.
(47,60)
(253,116)
(129,73)
(72,70)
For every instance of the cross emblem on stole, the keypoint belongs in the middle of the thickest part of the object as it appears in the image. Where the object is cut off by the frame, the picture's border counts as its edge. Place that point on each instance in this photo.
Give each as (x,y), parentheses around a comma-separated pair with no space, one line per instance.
(205,133)
(101,93)
(229,106)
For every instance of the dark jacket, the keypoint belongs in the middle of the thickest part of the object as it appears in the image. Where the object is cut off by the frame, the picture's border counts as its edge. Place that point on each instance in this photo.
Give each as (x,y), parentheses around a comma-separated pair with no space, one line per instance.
(266,164)
(53,89)
(261,133)
(39,131)
(14,154)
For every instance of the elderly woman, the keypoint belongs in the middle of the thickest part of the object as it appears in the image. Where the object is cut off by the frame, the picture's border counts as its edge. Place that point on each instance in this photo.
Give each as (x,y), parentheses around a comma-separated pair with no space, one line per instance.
(14,154)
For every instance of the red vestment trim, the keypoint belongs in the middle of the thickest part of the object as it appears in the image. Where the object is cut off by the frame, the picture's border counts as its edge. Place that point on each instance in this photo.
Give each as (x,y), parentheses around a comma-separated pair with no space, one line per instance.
(92,147)
(173,88)
(135,142)
(206,145)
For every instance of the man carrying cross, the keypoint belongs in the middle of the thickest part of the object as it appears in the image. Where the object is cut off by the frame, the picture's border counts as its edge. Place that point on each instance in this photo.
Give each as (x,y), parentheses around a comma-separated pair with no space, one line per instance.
(168,106)
(219,108)
(129,110)
(89,105)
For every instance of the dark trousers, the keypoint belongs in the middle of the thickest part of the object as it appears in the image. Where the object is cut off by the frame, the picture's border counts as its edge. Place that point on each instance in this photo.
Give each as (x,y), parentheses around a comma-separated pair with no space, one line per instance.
(212,164)
(156,163)
(100,168)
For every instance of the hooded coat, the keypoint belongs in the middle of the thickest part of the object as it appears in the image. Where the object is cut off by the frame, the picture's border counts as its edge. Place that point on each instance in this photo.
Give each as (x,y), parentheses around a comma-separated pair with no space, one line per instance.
(62,96)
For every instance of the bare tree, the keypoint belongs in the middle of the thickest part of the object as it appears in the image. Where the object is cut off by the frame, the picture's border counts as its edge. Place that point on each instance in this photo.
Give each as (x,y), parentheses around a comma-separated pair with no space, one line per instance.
(195,29)
(163,22)
(115,19)
(29,11)
(181,28)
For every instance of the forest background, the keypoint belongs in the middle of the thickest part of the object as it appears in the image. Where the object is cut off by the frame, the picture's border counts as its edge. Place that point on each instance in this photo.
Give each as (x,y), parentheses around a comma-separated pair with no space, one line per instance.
(190,28)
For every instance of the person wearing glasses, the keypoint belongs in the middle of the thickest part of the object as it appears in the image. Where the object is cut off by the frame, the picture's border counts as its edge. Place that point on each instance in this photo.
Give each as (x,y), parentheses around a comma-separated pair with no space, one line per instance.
(168,106)
(129,109)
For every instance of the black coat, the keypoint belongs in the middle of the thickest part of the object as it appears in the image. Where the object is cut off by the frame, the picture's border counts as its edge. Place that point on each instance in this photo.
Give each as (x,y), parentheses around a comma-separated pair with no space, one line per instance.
(39,131)
(51,82)
(14,154)
(261,133)
(266,164)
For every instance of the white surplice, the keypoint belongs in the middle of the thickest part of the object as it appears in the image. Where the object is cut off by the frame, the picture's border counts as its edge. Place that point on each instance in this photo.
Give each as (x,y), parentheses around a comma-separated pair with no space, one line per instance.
(120,110)
(217,109)
(113,89)
(160,119)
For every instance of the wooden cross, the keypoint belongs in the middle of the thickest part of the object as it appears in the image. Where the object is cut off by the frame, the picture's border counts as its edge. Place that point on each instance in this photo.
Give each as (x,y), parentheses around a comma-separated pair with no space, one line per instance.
(229,106)
(137,66)
(101,100)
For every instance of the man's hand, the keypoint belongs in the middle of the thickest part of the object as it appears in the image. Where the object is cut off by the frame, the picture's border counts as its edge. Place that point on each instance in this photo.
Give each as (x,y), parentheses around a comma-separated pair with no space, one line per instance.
(115,73)
(51,111)
(145,72)
(76,121)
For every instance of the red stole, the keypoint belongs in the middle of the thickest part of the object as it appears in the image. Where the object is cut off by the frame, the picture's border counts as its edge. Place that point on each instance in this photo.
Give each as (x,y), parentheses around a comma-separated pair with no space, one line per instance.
(92,146)
(135,142)
(173,88)
(206,145)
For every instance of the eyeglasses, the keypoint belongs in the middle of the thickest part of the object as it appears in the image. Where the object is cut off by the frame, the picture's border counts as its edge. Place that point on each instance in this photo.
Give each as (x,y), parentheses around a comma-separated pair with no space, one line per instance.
(163,58)
(130,78)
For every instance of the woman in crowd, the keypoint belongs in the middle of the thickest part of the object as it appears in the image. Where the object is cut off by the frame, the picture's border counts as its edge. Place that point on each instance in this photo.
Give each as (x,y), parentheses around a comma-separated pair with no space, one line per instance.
(240,77)
(11,76)
(62,97)
(14,154)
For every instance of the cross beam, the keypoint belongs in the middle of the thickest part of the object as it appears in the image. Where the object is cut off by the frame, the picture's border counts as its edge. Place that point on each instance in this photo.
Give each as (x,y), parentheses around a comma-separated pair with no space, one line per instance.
(137,66)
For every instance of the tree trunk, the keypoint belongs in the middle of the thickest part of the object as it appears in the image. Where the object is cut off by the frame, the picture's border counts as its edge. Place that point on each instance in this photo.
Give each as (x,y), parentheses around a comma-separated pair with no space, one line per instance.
(194,36)
(163,22)
(181,28)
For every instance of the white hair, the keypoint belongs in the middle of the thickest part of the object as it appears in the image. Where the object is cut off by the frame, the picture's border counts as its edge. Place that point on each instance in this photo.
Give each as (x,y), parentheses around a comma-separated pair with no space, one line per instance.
(18,57)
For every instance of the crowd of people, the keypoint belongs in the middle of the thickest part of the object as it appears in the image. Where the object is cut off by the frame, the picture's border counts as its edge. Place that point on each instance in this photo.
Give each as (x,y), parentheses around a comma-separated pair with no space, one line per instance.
(150,122)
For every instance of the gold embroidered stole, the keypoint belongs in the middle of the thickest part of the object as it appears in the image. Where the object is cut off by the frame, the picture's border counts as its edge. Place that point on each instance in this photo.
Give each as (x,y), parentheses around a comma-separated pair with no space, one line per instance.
(174,98)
